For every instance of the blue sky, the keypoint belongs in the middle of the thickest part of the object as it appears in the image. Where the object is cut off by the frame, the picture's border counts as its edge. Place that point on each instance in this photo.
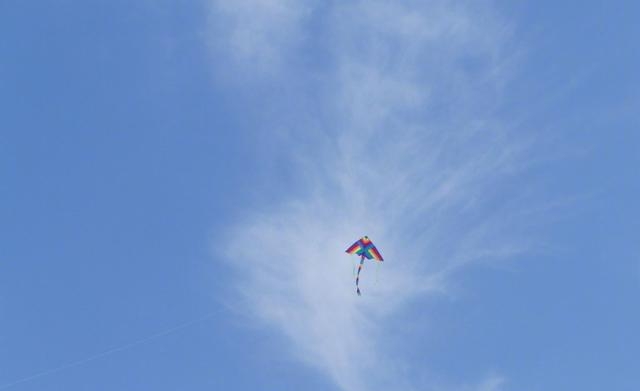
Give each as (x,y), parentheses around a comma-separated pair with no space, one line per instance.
(180,180)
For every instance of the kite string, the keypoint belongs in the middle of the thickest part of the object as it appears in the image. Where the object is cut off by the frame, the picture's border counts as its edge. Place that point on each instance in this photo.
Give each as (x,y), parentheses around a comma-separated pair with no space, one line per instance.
(377,267)
(108,351)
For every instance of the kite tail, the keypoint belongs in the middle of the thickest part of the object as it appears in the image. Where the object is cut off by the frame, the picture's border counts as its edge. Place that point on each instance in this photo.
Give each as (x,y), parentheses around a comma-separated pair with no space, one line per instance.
(358,276)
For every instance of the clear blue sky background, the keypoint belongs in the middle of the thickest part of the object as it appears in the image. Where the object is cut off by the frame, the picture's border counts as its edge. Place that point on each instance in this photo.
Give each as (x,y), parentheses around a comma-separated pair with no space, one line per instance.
(121,158)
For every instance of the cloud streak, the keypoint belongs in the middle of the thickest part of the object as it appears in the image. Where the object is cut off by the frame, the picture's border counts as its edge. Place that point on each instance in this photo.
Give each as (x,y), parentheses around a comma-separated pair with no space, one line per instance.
(395,139)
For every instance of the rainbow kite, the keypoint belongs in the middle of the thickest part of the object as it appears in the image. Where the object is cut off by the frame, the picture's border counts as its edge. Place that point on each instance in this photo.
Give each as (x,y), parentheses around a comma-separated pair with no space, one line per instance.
(366,249)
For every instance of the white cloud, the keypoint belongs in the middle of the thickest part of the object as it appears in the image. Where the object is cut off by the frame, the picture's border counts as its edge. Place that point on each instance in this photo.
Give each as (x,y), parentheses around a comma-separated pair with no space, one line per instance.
(258,34)
(492,383)
(404,149)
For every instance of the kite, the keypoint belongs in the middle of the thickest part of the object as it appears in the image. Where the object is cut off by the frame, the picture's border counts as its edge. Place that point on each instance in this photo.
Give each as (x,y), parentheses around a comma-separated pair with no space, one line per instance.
(366,249)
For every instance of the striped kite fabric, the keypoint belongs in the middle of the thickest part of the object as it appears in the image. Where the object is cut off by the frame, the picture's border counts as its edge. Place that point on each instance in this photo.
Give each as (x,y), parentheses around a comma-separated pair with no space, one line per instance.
(365,247)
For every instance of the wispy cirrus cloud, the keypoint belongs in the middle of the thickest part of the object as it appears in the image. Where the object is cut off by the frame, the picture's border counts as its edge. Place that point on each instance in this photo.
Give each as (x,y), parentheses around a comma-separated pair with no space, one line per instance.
(397,142)
(259,35)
